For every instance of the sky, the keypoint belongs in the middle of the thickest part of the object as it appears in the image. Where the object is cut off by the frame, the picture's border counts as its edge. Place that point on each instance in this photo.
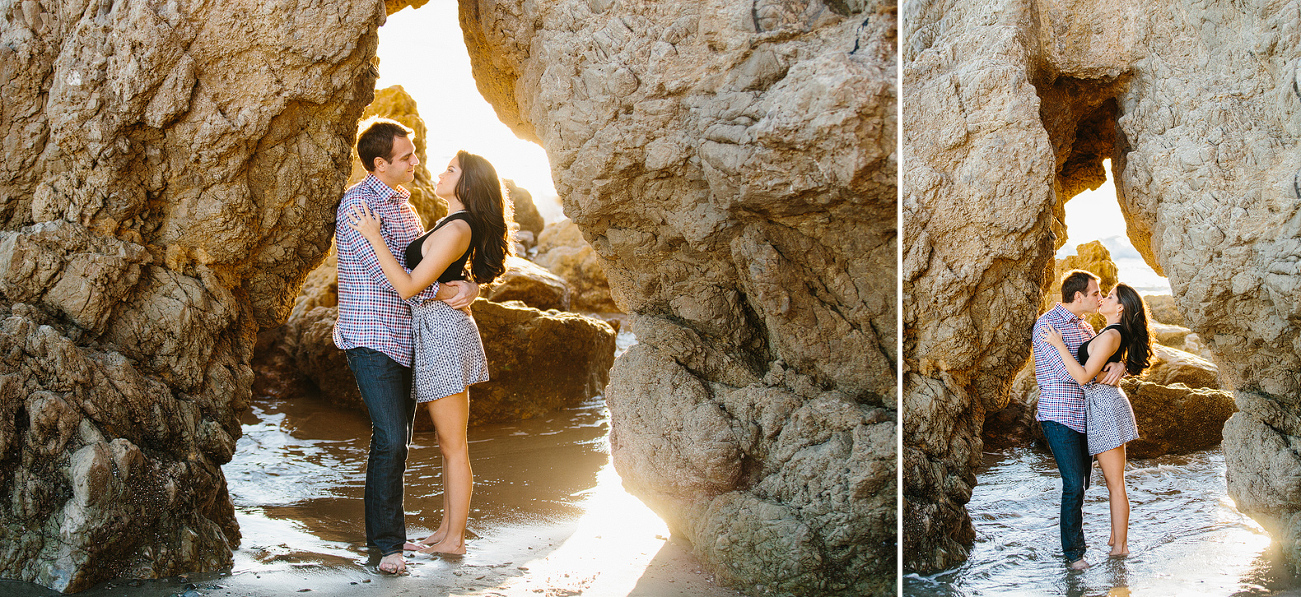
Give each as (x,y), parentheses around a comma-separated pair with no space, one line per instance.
(1095,215)
(423,51)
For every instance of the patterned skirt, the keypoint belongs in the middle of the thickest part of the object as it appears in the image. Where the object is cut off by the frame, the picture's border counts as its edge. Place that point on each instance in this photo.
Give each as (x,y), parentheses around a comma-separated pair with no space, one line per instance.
(1110,418)
(449,354)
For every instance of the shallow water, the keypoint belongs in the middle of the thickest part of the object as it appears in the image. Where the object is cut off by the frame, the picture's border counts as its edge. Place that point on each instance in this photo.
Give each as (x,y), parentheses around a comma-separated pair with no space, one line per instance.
(549,515)
(1186,536)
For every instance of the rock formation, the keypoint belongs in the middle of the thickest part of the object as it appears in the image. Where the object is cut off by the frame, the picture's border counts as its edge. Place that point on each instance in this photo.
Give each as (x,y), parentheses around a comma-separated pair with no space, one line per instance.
(170,176)
(1176,419)
(1011,107)
(526,212)
(732,164)
(530,284)
(562,250)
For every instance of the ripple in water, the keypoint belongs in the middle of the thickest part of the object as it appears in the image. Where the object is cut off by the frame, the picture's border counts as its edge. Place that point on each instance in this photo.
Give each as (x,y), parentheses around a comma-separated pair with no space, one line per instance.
(1186,535)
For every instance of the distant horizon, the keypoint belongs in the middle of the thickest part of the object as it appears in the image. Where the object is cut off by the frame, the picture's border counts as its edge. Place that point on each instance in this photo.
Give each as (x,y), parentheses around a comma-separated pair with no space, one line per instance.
(423,50)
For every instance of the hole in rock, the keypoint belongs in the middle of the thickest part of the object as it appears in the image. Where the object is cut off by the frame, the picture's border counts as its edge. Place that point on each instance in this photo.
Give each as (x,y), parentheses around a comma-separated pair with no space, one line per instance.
(1095,215)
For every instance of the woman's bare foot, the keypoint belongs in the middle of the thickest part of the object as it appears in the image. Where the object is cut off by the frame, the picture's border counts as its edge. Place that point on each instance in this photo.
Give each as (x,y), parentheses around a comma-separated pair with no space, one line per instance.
(393,564)
(433,539)
(1120,552)
(1079,564)
(446,547)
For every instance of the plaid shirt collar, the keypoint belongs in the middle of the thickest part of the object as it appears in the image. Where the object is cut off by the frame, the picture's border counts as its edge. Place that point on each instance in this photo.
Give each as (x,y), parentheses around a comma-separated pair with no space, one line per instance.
(386,193)
(1068,315)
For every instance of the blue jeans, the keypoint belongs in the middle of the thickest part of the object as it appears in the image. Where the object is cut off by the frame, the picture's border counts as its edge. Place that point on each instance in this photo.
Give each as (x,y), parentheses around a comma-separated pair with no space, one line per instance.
(386,388)
(1071,450)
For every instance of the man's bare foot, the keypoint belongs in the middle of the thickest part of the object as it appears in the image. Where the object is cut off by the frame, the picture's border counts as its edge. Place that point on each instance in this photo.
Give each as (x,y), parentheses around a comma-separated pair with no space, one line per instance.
(393,564)
(1079,564)
(446,547)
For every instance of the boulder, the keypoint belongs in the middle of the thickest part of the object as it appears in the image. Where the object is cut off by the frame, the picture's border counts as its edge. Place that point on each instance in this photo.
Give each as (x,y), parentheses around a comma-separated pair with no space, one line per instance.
(563,251)
(1168,335)
(526,282)
(1176,419)
(732,166)
(1162,308)
(526,213)
(1171,366)
(538,361)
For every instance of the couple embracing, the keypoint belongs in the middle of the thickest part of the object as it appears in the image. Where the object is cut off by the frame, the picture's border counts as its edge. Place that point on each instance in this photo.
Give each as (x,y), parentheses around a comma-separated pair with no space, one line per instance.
(406,327)
(1083,412)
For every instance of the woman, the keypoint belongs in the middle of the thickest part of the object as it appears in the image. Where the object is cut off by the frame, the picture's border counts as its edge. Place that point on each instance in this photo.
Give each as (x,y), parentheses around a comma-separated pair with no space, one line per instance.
(1110,422)
(449,353)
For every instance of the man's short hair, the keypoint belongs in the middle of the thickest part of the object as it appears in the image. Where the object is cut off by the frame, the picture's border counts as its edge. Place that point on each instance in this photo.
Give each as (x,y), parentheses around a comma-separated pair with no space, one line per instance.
(376,141)
(1076,280)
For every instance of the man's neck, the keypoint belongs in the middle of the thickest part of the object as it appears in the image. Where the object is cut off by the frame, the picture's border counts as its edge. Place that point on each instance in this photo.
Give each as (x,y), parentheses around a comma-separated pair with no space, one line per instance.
(1076,309)
(391,184)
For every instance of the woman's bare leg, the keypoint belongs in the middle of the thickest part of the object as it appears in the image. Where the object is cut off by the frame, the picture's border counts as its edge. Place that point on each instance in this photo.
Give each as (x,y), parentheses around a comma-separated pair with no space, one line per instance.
(1113,470)
(451,414)
(441,531)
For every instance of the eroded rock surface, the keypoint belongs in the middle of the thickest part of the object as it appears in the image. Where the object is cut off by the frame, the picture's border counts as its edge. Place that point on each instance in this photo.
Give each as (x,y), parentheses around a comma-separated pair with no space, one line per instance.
(170,175)
(530,284)
(1011,108)
(1176,419)
(732,164)
(562,250)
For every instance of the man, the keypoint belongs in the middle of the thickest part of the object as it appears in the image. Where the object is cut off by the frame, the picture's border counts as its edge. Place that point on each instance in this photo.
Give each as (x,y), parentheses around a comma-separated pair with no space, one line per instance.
(374,327)
(1061,410)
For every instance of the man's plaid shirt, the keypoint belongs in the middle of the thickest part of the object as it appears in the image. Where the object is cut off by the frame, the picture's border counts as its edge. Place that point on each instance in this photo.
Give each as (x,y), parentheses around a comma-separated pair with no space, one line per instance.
(371,312)
(1061,398)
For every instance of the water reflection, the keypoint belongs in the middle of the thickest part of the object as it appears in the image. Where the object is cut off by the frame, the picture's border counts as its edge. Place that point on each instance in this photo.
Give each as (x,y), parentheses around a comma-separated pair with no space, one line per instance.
(1186,536)
(299,474)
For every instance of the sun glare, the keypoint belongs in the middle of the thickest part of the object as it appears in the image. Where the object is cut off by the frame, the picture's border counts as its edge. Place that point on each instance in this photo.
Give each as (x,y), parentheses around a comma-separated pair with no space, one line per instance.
(1095,215)
(423,51)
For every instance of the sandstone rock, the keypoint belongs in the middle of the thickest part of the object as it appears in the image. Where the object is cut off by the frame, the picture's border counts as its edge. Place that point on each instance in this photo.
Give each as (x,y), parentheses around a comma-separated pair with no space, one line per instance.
(396,104)
(538,361)
(1014,424)
(392,6)
(170,176)
(1162,308)
(562,250)
(1168,335)
(525,282)
(1011,108)
(526,213)
(1176,419)
(1171,366)
(732,165)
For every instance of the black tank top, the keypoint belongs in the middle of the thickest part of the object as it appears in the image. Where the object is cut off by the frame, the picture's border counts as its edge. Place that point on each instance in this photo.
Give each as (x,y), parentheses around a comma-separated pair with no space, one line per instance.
(455,271)
(1082,355)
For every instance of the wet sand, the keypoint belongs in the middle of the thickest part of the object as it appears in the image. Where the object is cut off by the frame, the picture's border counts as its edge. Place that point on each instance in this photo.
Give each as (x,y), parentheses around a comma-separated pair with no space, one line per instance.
(549,515)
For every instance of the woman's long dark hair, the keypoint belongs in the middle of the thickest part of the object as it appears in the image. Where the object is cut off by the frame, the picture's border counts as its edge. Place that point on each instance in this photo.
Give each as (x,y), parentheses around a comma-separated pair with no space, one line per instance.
(479,190)
(1134,326)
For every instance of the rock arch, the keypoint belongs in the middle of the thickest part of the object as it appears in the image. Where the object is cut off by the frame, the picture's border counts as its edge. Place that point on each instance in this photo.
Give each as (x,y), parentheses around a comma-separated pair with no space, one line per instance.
(1008,108)
(170,179)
